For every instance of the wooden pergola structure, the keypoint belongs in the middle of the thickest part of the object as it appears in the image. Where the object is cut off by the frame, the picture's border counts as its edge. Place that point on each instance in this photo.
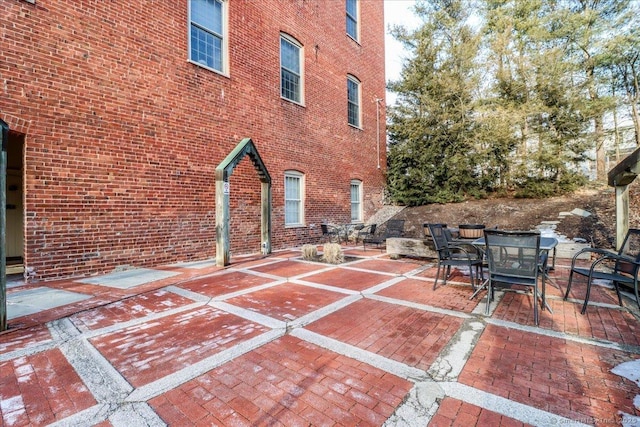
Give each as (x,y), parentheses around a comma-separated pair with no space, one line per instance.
(246,147)
(620,177)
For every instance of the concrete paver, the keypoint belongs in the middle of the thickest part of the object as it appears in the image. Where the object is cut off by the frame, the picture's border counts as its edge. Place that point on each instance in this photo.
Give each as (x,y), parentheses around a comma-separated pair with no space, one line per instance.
(282,341)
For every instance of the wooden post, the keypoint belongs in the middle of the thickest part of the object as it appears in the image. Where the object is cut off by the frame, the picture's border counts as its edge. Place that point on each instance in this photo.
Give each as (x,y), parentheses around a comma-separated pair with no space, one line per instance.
(622,214)
(265,224)
(620,176)
(222,223)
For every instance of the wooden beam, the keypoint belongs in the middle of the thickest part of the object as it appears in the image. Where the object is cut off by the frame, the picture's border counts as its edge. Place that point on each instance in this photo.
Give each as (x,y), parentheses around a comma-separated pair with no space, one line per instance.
(626,171)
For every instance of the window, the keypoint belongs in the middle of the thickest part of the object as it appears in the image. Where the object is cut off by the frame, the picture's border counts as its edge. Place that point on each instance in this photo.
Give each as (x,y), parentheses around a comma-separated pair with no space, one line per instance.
(352,19)
(356,201)
(353,101)
(207,41)
(293,198)
(290,70)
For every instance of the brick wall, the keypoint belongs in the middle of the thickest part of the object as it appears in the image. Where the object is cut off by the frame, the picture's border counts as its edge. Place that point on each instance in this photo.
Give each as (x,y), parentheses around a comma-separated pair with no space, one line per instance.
(124,133)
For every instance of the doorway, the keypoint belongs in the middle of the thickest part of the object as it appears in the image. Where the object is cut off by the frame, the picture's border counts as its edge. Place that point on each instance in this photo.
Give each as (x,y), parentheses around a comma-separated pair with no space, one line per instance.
(14,205)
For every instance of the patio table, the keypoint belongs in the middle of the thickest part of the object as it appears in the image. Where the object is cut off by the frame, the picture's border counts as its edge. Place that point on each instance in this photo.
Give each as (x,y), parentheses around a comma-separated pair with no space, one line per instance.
(546,244)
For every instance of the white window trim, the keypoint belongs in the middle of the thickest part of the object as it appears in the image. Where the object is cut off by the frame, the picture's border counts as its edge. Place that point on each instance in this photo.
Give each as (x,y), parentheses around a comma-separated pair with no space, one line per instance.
(295,42)
(357,182)
(359,84)
(357,19)
(301,177)
(225,40)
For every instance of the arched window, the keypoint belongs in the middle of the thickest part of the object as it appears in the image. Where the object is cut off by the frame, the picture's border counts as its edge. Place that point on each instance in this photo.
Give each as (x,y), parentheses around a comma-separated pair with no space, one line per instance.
(291,69)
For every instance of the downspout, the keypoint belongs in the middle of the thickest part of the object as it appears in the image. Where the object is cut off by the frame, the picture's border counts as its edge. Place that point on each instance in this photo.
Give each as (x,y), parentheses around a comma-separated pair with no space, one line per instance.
(4,135)
(378,100)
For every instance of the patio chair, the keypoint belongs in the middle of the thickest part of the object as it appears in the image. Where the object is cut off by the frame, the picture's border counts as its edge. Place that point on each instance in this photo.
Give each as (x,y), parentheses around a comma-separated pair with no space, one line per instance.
(622,267)
(451,254)
(331,232)
(393,228)
(365,231)
(514,258)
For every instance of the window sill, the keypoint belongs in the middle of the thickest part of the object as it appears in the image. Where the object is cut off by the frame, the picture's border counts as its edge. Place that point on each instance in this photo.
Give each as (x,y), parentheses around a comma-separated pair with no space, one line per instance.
(287,226)
(213,70)
(292,101)
(355,40)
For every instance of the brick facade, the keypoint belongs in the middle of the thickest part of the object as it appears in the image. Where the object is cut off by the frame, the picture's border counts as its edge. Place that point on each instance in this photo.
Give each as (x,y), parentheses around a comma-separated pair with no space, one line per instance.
(122,134)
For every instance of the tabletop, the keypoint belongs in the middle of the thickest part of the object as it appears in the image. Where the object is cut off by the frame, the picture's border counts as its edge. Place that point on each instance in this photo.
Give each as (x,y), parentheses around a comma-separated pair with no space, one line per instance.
(546,243)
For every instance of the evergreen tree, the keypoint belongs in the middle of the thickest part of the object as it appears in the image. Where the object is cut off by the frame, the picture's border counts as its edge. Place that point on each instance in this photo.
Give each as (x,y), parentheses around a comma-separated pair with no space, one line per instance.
(431,132)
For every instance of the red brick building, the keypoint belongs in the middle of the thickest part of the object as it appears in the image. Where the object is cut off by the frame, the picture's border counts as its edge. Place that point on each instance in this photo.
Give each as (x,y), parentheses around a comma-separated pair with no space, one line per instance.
(119,113)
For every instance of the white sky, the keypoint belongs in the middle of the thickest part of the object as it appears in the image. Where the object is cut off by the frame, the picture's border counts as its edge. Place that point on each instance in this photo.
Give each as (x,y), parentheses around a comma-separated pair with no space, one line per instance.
(396,12)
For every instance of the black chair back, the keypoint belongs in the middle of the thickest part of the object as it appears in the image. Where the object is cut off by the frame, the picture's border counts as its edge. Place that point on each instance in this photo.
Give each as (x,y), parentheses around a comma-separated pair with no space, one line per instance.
(630,248)
(395,228)
(513,254)
(439,238)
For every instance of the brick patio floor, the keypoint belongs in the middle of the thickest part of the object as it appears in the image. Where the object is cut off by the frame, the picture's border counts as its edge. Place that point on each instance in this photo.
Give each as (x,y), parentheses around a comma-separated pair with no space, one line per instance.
(278,341)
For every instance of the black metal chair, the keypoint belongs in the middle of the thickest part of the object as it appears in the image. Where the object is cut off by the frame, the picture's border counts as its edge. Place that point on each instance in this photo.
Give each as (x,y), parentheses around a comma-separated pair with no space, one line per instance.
(393,228)
(451,254)
(514,258)
(620,268)
(330,232)
(365,231)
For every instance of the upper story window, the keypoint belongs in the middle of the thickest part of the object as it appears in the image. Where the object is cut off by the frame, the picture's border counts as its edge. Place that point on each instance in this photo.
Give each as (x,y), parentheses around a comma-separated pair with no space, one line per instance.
(353,101)
(352,19)
(207,38)
(290,69)
(356,201)
(293,198)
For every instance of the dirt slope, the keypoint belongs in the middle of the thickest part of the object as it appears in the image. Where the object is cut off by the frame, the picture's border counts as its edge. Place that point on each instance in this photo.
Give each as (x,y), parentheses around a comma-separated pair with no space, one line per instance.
(525,214)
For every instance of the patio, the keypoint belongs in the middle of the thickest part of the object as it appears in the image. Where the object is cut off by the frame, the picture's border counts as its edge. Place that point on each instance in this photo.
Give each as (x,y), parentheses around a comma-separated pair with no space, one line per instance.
(282,341)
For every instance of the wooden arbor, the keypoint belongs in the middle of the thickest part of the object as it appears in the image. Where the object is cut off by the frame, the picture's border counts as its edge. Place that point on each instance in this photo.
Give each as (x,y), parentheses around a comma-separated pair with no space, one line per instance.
(224,170)
(620,177)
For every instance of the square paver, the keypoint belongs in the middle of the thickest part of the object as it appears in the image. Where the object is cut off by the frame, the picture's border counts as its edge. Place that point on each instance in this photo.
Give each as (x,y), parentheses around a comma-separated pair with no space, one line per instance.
(154,349)
(287,301)
(127,309)
(450,297)
(571,379)
(35,300)
(289,268)
(404,334)
(129,278)
(285,382)
(345,278)
(225,283)
(40,389)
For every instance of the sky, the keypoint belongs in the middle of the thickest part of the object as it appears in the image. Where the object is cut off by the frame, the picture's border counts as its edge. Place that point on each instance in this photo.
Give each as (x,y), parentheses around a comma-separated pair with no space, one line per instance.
(396,12)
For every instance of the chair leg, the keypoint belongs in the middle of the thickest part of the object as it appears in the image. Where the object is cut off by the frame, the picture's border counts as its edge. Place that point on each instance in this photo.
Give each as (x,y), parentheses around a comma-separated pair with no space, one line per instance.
(566,294)
(489,294)
(447,274)
(544,288)
(615,284)
(435,284)
(535,305)
(586,297)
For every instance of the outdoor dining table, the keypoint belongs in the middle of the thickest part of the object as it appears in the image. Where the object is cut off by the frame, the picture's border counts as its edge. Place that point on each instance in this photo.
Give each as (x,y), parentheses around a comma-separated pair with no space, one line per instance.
(346,227)
(546,244)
